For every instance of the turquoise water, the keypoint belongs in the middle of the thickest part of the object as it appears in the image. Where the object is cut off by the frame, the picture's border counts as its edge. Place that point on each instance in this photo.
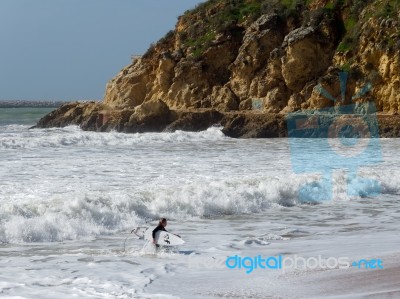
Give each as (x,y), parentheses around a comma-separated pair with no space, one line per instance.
(22,116)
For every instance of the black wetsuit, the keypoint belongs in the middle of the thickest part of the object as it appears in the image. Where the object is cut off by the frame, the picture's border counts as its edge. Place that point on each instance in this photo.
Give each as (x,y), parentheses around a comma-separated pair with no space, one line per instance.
(159,227)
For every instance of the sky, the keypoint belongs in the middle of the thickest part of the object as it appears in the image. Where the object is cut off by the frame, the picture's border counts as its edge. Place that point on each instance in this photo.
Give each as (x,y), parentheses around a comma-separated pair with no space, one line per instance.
(69,49)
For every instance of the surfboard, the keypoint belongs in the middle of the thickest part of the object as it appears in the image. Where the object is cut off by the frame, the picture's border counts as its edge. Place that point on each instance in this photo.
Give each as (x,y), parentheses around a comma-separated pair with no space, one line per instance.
(163,238)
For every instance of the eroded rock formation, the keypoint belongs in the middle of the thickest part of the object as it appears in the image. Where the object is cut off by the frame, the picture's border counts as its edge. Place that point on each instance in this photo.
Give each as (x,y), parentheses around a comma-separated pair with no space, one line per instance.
(222,57)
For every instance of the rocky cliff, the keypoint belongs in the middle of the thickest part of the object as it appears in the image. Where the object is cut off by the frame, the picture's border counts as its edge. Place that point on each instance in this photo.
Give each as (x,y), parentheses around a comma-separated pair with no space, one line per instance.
(246,64)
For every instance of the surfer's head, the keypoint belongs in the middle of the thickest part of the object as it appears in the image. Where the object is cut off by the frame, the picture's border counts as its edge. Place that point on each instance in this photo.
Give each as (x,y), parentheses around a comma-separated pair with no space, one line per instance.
(163,222)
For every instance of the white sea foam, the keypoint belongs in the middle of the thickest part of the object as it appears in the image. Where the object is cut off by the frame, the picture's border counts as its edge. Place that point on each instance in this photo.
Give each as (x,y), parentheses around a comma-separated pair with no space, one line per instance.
(18,136)
(74,215)
(66,184)
(83,192)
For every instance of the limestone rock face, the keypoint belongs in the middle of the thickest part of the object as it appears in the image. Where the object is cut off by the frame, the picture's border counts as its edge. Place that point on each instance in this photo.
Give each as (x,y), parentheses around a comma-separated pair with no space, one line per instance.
(380,63)
(248,69)
(274,60)
(219,60)
(130,87)
(152,114)
(224,99)
(306,57)
(374,65)
(266,60)
(189,85)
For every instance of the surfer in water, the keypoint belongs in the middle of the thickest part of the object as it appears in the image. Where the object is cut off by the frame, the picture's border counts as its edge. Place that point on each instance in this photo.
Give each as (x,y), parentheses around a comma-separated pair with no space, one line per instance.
(161,226)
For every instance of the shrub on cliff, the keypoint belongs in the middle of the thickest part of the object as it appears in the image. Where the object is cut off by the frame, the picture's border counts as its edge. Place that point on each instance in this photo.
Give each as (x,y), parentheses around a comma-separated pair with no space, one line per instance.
(209,19)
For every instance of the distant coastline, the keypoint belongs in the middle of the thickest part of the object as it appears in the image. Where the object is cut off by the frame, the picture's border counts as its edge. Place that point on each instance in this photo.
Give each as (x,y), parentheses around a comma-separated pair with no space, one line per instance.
(31,104)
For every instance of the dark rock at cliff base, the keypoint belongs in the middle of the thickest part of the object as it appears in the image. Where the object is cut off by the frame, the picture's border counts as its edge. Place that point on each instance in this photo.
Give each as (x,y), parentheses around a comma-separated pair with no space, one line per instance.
(194,121)
(389,126)
(329,126)
(82,114)
(152,116)
(155,116)
(254,126)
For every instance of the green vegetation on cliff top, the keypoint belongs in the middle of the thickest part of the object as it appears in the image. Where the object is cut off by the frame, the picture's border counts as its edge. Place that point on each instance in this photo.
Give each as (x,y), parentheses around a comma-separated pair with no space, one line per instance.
(210,18)
(219,15)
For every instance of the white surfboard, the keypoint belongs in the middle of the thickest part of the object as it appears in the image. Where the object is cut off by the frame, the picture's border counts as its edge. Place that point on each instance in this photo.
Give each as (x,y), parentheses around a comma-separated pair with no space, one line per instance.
(163,238)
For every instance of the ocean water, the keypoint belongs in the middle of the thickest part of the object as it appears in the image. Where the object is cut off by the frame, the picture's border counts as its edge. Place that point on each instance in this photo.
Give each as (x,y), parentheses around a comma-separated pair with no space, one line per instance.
(69,199)
(22,116)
